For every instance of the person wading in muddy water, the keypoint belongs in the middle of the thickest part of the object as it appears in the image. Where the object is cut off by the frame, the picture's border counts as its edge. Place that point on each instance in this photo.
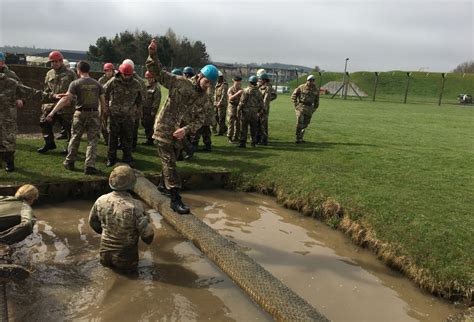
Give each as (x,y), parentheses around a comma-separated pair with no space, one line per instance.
(121,221)
(183,95)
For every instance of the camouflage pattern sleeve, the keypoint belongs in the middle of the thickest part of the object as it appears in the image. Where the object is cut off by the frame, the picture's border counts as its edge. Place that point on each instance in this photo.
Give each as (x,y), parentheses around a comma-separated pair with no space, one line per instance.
(261,103)
(144,227)
(199,117)
(48,98)
(108,87)
(28,93)
(296,95)
(94,220)
(316,100)
(166,79)
(243,99)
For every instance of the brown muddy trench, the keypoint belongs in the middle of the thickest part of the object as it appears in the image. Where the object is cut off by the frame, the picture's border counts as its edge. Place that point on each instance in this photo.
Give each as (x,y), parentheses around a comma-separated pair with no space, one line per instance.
(177,283)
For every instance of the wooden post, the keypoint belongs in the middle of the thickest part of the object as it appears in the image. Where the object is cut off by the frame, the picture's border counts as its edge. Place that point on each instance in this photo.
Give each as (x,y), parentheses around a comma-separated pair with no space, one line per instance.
(408,85)
(297,79)
(375,86)
(320,79)
(443,79)
(276,82)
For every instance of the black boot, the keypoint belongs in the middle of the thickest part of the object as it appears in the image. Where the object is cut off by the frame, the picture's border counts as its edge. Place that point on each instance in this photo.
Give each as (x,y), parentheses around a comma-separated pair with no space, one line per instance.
(10,161)
(48,144)
(207,148)
(177,204)
(162,187)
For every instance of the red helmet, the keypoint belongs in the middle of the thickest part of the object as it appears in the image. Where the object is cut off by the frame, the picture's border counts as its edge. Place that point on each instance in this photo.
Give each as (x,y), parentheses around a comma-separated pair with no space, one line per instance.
(126,69)
(55,55)
(108,66)
(149,74)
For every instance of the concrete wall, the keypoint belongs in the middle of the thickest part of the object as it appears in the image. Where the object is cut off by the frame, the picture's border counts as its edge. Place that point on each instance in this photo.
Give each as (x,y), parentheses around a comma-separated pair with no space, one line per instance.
(28,116)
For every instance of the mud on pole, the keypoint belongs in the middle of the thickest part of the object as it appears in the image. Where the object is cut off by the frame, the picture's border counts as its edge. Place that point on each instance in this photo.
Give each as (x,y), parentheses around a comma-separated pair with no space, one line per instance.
(269,292)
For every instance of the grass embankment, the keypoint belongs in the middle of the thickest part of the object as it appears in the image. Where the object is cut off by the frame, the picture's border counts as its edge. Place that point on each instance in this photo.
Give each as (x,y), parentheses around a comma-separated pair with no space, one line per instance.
(396,177)
(423,88)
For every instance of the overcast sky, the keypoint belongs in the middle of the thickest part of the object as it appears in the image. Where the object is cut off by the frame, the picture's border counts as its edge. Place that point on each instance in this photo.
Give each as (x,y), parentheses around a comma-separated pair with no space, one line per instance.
(376,35)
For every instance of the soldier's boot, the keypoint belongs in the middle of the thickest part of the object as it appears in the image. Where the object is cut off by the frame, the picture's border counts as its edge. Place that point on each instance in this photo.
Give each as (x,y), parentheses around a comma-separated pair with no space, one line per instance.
(48,144)
(148,142)
(162,187)
(68,165)
(62,135)
(177,204)
(10,161)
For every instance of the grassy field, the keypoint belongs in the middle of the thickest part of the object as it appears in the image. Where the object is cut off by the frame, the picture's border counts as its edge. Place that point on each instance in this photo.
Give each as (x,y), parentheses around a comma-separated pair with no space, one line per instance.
(424,87)
(404,173)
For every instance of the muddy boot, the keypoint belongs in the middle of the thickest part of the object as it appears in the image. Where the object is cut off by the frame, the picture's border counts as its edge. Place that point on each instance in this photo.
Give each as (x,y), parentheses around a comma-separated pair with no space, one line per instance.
(177,204)
(48,144)
(10,161)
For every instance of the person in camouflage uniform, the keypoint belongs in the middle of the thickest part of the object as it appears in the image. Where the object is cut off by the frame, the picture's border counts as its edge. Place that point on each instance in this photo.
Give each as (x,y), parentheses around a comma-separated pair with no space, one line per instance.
(249,108)
(86,118)
(306,100)
(10,92)
(121,221)
(183,95)
(123,95)
(220,103)
(151,106)
(233,120)
(108,74)
(56,82)
(205,130)
(269,94)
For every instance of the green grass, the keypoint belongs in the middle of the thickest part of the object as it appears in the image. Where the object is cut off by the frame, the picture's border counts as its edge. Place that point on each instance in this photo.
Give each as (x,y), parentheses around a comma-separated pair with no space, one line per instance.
(404,170)
(423,88)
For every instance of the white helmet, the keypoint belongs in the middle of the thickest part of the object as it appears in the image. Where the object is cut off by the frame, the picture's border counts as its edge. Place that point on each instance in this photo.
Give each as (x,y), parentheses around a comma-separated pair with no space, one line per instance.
(261,71)
(129,62)
(220,73)
(310,77)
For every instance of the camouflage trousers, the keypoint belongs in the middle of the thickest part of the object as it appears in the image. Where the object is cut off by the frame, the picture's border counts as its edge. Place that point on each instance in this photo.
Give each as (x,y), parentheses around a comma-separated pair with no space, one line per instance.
(220,118)
(121,128)
(148,120)
(205,132)
(303,118)
(104,130)
(248,118)
(8,129)
(65,119)
(125,260)
(168,153)
(233,120)
(262,134)
(89,123)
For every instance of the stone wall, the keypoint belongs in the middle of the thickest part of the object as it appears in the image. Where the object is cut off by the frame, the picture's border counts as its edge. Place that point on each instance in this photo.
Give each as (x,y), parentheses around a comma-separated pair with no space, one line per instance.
(33,76)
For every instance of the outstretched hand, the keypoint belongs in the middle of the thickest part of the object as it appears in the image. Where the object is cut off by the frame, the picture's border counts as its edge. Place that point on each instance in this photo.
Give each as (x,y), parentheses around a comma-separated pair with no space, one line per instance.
(152,47)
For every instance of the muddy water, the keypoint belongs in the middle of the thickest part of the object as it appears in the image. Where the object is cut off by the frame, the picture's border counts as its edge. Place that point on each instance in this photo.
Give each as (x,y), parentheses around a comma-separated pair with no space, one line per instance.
(175,282)
(345,282)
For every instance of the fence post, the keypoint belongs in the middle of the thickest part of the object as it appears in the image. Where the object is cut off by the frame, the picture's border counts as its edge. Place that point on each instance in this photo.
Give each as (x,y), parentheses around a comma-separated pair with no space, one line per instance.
(320,79)
(376,84)
(408,85)
(347,80)
(443,75)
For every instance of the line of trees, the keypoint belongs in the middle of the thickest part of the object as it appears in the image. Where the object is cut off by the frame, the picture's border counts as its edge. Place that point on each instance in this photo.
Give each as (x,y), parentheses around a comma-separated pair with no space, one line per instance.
(173,50)
(466,67)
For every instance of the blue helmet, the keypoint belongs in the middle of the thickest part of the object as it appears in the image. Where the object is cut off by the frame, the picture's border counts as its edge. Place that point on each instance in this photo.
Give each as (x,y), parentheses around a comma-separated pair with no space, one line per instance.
(210,72)
(177,71)
(2,56)
(253,79)
(188,70)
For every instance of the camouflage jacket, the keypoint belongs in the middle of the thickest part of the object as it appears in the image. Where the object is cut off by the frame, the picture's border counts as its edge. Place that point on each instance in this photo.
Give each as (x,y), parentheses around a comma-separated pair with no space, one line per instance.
(251,99)
(10,91)
(121,220)
(184,94)
(306,95)
(57,82)
(10,73)
(123,96)
(16,210)
(220,95)
(232,91)
(153,97)
(104,79)
(269,94)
